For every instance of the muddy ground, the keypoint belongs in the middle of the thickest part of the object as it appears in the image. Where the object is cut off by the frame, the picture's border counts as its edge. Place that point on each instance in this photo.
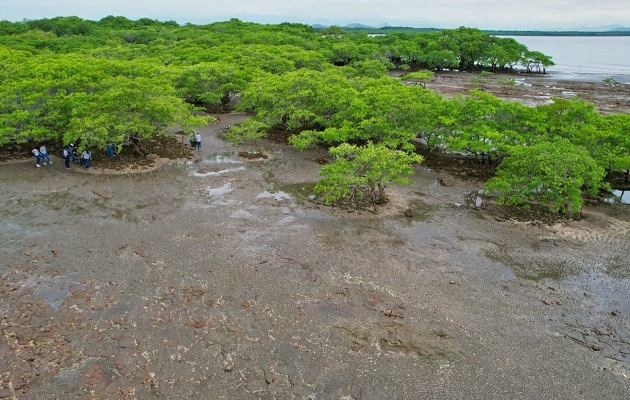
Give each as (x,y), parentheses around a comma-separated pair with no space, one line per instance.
(537,89)
(221,277)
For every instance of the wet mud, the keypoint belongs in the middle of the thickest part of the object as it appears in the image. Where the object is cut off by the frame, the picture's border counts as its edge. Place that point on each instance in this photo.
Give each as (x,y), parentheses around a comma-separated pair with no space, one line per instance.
(223,277)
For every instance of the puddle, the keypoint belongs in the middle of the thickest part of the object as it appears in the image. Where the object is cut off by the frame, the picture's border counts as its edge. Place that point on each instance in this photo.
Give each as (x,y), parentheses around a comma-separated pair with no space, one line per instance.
(420,211)
(472,199)
(276,196)
(54,291)
(619,196)
(618,267)
(201,174)
(216,164)
(242,214)
(221,159)
(217,192)
(602,293)
(535,269)
(300,191)
(314,215)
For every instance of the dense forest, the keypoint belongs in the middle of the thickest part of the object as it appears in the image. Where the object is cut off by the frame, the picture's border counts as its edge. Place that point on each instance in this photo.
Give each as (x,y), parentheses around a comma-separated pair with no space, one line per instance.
(120,81)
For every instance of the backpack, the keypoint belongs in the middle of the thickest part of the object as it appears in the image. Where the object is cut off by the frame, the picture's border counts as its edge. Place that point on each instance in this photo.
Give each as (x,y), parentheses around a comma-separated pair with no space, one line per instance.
(65,153)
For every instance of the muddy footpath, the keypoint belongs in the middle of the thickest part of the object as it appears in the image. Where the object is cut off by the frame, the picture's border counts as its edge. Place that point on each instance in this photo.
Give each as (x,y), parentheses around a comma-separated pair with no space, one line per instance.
(221,278)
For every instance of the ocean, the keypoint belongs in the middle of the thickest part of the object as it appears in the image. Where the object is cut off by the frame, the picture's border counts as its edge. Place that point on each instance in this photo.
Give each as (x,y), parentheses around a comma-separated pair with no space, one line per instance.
(584,58)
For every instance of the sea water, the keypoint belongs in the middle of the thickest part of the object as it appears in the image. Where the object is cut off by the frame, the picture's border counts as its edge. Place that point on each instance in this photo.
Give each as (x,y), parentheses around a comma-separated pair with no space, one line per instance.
(584,58)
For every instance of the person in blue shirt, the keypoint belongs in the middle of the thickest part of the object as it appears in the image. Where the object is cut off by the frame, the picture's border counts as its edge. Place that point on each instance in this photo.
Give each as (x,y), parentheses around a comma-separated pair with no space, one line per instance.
(37,156)
(44,154)
(87,157)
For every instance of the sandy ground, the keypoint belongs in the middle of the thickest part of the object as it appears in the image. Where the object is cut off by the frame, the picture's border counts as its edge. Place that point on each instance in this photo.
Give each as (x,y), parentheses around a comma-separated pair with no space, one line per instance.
(219,278)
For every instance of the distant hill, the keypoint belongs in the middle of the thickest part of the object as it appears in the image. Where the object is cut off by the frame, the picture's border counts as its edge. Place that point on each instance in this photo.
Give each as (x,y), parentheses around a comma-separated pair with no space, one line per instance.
(603,28)
(359,26)
(609,30)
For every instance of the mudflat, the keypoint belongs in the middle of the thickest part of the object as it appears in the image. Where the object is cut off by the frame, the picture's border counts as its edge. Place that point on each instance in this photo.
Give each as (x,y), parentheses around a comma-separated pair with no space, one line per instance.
(220,277)
(537,89)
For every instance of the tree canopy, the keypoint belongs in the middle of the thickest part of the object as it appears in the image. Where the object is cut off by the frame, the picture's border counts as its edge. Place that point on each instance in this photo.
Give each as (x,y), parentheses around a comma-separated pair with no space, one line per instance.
(122,81)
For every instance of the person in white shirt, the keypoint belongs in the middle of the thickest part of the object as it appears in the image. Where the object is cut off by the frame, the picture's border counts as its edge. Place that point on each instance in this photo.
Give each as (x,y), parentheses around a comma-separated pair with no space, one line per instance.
(44,154)
(37,156)
(66,157)
(198,140)
(86,158)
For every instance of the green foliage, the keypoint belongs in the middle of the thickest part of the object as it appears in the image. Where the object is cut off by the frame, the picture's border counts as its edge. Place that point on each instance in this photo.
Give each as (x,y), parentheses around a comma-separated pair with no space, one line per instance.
(250,130)
(213,83)
(361,173)
(377,110)
(334,31)
(611,146)
(367,68)
(574,119)
(535,61)
(89,100)
(122,81)
(298,100)
(611,82)
(125,110)
(418,78)
(506,84)
(479,83)
(474,125)
(554,173)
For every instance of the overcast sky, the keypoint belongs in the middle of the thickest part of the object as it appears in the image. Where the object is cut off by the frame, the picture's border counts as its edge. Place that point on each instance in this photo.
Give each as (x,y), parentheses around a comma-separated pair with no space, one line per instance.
(482,14)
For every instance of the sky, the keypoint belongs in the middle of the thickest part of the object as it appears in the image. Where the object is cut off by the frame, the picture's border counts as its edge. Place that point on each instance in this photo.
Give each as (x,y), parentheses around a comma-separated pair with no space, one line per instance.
(448,14)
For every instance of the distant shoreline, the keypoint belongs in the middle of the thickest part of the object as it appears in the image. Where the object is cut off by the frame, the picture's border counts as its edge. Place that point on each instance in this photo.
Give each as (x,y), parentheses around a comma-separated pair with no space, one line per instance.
(494,32)
(556,33)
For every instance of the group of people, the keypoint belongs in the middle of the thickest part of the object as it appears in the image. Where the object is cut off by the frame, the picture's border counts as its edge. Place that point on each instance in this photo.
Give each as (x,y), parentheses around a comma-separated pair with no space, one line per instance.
(195,140)
(41,154)
(69,154)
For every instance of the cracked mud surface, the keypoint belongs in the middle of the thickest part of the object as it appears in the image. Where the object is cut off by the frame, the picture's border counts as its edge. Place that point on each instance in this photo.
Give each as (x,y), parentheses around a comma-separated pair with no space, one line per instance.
(219,278)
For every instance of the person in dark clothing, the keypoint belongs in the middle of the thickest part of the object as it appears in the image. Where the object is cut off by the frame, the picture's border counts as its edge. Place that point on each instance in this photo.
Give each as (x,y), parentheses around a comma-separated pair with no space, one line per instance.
(66,157)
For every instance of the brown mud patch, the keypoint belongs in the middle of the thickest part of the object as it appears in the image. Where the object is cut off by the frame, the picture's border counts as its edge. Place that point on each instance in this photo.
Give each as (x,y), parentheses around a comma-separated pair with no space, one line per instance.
(253,155)
(536,89)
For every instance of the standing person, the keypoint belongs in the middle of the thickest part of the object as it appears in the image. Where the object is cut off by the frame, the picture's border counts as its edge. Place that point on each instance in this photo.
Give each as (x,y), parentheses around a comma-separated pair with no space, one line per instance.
(44,154)
(66,156)
(37,156)
(110,150)
(198,140)
(86,156)
(72,153)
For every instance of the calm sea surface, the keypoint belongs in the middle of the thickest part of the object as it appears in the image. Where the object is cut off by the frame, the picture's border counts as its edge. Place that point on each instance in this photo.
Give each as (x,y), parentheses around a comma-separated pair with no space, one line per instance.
(585,58)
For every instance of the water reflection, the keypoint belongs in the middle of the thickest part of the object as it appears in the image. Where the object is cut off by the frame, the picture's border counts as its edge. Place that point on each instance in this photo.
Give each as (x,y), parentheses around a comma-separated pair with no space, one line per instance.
(276,196)
(620,196)
(215,173)
(219,191)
